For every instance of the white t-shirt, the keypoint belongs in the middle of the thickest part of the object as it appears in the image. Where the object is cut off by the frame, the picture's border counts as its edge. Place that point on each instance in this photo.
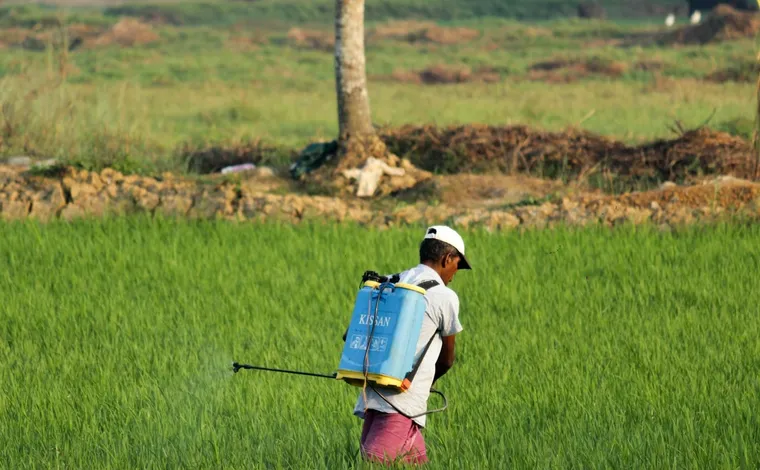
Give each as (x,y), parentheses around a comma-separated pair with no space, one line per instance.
(442,312)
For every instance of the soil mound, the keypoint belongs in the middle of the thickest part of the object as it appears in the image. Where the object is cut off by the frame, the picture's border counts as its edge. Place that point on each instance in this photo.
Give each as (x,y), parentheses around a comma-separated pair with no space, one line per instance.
(73,36)
(312,39)
(567,70)
(742,72)
(723,24)
(591,11)
(446,74)
(518,149)
(128,32)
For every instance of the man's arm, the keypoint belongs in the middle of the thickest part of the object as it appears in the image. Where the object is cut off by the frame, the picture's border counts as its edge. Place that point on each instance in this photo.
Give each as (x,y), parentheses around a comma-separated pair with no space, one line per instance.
(446,358)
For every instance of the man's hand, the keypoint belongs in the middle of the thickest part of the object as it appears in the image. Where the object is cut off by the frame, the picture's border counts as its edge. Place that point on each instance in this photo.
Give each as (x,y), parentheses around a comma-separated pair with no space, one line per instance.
(446,358)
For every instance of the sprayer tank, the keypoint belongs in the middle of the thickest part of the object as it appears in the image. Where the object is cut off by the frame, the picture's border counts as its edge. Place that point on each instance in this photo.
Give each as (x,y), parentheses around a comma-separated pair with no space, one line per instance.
(393,342)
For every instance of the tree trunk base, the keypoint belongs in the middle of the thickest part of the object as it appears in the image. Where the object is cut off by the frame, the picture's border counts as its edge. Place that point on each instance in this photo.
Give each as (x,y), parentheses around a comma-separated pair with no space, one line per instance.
(364,167)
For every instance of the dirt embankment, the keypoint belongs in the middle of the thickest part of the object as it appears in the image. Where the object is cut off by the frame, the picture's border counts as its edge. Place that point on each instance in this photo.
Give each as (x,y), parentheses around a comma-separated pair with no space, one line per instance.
(74,194)
(724,23)
(520,149)
(128,32)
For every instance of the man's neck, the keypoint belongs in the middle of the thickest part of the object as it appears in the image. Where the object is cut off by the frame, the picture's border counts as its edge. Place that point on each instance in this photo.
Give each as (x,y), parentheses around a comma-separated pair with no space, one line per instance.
(432,266)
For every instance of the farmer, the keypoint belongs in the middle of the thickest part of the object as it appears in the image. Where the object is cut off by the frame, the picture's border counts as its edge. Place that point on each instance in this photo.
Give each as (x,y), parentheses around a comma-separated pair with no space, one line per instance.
(388,435)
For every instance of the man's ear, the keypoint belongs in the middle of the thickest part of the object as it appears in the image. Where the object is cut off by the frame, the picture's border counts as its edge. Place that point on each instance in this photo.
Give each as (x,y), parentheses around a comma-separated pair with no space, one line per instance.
(447,259)
(444,260)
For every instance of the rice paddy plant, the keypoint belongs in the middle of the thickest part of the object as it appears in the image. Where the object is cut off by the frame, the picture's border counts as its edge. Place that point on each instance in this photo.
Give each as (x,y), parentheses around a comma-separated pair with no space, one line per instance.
(588,348)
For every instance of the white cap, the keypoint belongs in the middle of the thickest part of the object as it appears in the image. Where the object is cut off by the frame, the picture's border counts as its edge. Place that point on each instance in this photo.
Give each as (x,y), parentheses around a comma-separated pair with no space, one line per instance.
(450,236)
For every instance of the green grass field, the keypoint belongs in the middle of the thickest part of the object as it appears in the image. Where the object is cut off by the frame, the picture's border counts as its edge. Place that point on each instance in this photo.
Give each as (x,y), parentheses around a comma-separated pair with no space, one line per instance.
(227,82)
(581,349)
(225,12)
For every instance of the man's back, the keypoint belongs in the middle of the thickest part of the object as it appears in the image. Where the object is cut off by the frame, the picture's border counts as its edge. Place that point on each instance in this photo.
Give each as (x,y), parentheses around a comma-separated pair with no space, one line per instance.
(441,319)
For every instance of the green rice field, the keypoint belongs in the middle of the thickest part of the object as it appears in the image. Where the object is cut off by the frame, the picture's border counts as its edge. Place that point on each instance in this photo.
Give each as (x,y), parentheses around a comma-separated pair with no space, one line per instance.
(589,348)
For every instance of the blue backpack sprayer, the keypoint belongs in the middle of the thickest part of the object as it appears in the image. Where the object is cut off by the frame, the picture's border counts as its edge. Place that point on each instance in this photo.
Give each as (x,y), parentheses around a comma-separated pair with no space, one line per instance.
(381,339)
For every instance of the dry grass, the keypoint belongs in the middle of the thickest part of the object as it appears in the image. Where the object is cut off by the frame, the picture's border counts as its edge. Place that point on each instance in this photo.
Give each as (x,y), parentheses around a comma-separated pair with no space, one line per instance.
(41,115)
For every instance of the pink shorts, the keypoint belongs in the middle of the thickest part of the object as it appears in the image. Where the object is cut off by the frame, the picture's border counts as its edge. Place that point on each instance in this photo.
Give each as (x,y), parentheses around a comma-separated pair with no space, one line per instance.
(389,437)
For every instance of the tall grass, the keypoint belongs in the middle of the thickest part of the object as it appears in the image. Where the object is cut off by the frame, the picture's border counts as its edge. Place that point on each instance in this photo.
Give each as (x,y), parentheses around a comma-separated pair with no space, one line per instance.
(45,116)
(321,11)
(133,107)
(581,349)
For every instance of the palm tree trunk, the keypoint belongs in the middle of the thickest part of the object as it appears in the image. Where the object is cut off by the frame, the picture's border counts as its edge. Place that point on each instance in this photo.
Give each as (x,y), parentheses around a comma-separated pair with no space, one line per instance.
(350,72)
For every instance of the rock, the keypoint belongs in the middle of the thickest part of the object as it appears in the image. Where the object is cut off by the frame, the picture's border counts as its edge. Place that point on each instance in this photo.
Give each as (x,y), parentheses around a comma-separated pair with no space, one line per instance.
(71,212)
(408,215)
(357,214)
(668,185)
(48,203)
(94,180)
(14,195)
(265,172)
(612,213)
(94,204)
(248,208)
(680,216)
(211,206)
(567,204)
(20,161)
(502,220)
(175,205)
(531,217)
(89,205)
(292,207)
(753,207)
(143,199)
(78,188)
(547,209)
(14,209)
(369,175)
(637,216)
(134,180)
(113,190)
(470,218)
(573,217)
(111,176)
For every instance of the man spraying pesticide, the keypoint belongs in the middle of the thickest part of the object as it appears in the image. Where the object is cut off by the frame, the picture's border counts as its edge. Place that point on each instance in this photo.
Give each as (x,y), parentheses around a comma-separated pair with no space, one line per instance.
(399,342)
(393,419)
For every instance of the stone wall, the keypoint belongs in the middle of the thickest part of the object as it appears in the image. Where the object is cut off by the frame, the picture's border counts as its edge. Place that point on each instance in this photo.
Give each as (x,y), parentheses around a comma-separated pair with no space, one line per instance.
(76,194)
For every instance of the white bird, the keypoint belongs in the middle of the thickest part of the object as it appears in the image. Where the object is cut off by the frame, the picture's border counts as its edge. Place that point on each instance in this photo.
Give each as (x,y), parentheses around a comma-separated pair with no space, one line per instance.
(670,20)
(696,17)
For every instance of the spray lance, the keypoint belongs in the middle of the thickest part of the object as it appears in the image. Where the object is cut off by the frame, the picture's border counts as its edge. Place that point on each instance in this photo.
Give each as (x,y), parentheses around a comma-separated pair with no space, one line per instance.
(392,337)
